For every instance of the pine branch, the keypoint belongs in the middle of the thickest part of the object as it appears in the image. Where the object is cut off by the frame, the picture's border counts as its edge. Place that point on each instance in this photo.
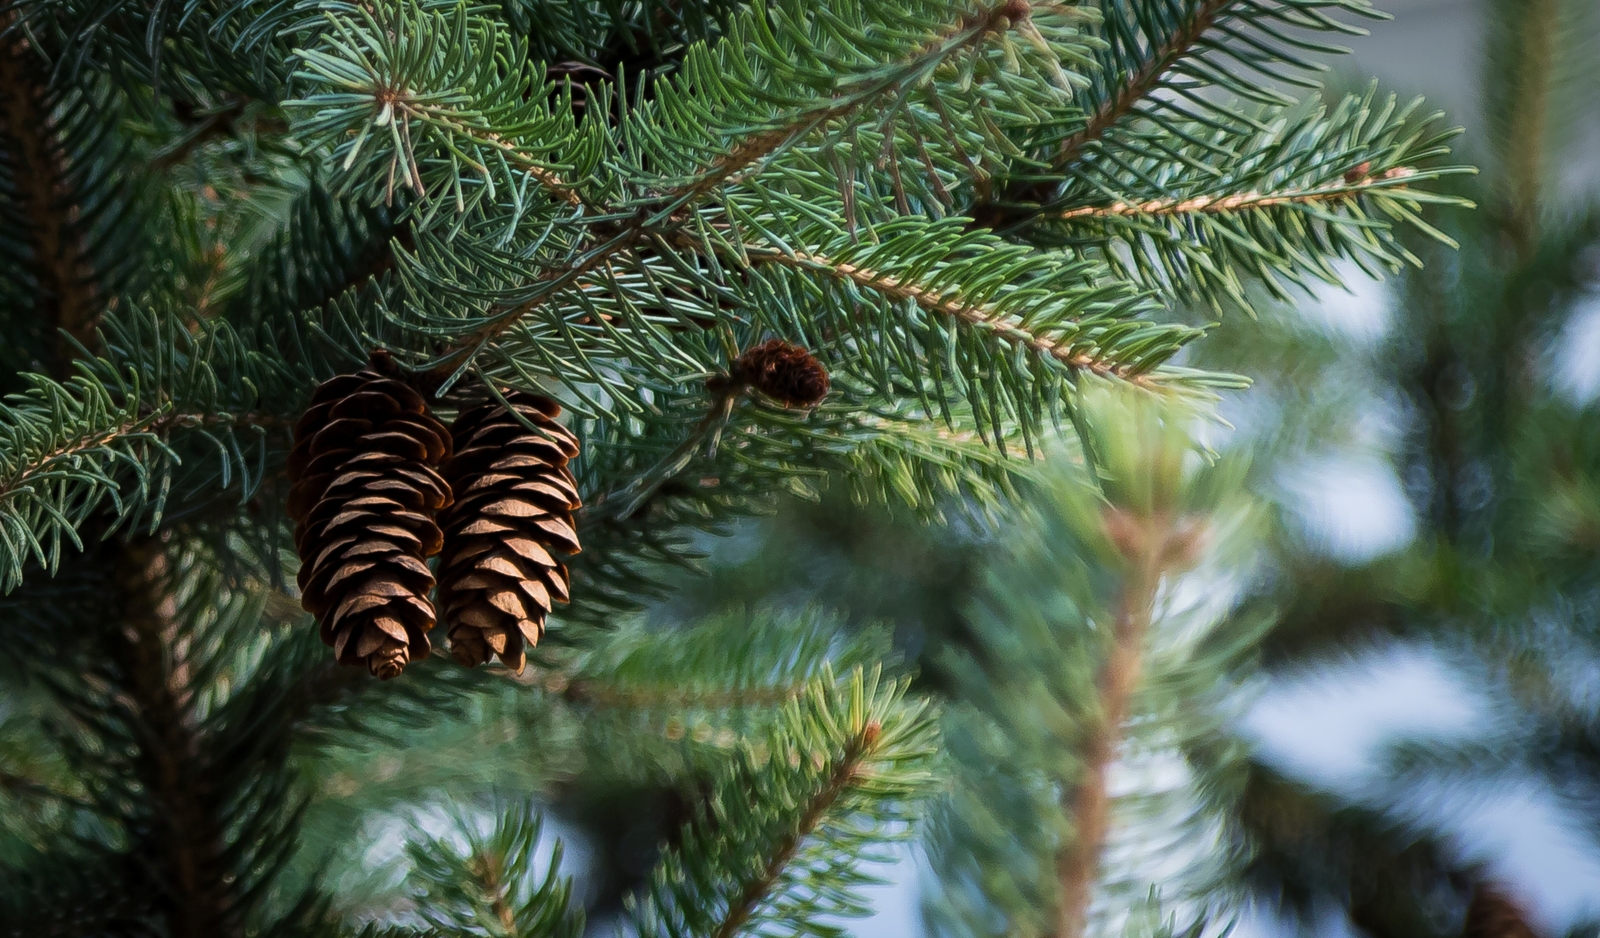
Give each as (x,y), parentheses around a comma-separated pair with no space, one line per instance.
(1354,185)
(853,97)
(856,752)
(483,884)
(787,824)
(1144,544)
(805,98)
(60,459)
(383,69)
(970,314)
(187,836)
(1054,691)
(1152,73)
(66,294)
(1136,85)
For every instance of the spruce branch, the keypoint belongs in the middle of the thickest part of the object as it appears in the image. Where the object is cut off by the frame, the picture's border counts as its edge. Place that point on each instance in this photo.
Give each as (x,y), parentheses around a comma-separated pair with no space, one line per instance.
(1279,205)
(1151,70)
(850,96)
(64,281)
(483,883)
(957,310)
(63,451)
(1134,86)
(474,99)
(187,835)
(1082,660)
(1334,192)
(787,824)
(1150,545)
(757,890)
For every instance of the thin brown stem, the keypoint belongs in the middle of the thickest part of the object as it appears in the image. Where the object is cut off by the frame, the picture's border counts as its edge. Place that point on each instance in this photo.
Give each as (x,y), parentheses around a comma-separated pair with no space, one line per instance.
(1536,24)
(844,771)
(65,289)
(1145,545)
(493,882)
(1239,202)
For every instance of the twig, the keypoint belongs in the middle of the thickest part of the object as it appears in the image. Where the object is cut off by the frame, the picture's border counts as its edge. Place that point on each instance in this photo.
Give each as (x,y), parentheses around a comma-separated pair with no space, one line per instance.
(1243,201)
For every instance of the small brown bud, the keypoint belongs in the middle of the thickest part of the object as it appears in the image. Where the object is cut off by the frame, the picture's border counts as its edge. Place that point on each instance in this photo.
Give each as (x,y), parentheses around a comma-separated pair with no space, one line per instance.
(1017,11)
(787,373)
(1357,172)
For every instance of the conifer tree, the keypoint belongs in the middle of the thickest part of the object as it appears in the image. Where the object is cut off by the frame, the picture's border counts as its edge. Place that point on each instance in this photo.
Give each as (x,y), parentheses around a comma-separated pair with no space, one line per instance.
(300,296)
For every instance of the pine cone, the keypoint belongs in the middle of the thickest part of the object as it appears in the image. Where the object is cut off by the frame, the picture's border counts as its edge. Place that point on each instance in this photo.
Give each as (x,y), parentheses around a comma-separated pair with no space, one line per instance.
(363,497)
(514,508)
(784,372)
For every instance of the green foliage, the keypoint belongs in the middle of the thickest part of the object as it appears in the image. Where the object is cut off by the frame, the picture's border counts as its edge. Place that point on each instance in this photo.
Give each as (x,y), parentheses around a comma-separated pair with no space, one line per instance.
(839,777)
(485,885)
(1087,656)
(968,212)
(62,456)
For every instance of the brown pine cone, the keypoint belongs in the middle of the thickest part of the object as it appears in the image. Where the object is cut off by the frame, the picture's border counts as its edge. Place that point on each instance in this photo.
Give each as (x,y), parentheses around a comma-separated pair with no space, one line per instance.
(512,514)
(363,498)
(787,373)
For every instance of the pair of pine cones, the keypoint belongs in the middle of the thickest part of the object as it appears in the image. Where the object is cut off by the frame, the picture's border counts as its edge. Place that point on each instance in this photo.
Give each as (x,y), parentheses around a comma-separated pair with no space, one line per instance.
(379,485)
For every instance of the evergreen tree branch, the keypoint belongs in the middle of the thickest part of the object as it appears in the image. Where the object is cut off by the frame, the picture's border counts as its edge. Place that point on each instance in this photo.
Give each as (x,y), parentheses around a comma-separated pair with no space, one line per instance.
(1055,692)
(483,884)
(850,96)
(1133,87)
(958,310)
(1077,866)
(1278,206)
(1334,192)
(1136,85)
(787,823)
(189,839)
(63,455)
(66,294)
(1146,98)
(856,752)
